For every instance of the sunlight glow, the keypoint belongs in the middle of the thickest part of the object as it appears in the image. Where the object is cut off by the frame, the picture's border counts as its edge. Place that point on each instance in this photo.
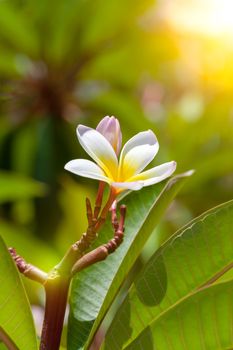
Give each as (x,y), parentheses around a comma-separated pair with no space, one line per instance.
(207,17)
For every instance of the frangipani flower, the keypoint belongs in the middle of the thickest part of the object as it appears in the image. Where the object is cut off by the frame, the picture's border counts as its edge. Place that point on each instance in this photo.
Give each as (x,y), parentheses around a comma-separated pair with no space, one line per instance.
(126,173)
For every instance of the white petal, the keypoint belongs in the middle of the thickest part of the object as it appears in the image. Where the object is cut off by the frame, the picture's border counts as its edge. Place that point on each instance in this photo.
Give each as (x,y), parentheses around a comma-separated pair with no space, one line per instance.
(86,168)
(137,153)
(99,149)
(156,174)
(134,185)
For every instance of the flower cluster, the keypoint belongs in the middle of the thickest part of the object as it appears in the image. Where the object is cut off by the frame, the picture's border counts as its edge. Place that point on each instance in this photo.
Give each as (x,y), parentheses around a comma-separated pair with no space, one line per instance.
(121,169)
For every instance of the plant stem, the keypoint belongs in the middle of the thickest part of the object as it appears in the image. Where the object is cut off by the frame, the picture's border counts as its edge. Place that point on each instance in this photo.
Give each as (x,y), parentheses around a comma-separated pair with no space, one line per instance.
(56,288)
(58,280)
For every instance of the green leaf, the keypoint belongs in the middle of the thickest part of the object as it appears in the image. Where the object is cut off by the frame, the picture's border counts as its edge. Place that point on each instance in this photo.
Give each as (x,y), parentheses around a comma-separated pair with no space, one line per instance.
(201,321)
(16,187)
(15,315)
(197,254)
(94,289)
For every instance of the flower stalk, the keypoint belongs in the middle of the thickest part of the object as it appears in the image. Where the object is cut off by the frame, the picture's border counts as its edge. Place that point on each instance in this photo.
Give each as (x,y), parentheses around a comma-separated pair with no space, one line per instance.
(99,199)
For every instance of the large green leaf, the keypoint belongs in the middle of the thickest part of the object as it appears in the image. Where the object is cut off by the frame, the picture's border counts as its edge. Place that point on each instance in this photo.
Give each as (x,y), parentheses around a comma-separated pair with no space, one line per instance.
(201,321)
(199,252)
(15,315)
(94,289)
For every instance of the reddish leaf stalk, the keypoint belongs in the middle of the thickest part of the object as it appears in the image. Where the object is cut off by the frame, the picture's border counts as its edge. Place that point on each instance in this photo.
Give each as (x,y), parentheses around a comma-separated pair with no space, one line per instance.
(99,199)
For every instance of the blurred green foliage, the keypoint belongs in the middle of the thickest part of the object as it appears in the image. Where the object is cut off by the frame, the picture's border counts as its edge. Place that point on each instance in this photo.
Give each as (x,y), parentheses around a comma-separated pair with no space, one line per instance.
(75,61)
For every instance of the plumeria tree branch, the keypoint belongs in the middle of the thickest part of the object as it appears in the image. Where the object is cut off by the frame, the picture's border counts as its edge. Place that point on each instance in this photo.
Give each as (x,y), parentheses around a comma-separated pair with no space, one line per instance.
(57,281)
(75,260)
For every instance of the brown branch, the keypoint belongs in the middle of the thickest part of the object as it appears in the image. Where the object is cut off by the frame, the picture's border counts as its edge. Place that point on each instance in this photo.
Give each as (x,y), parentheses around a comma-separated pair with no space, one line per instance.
(90,258)
(57,283)
(56,289)
(30,271)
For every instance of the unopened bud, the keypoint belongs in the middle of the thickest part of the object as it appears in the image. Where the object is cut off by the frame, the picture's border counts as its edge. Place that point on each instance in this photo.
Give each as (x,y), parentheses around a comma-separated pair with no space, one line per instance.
(110,128)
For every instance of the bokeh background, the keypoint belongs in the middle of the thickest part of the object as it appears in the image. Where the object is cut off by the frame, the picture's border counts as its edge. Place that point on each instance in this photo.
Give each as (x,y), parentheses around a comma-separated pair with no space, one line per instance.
(165,65)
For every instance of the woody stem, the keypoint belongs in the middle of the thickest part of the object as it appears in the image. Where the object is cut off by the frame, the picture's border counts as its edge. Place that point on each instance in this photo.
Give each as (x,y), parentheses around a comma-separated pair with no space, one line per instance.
(56,289)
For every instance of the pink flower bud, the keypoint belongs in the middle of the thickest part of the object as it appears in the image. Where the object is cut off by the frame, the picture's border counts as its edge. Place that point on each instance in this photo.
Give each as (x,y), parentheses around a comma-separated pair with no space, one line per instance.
(110,128)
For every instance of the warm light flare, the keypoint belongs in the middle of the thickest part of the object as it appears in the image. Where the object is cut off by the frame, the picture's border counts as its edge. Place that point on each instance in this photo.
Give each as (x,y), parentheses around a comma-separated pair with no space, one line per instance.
(207,17)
